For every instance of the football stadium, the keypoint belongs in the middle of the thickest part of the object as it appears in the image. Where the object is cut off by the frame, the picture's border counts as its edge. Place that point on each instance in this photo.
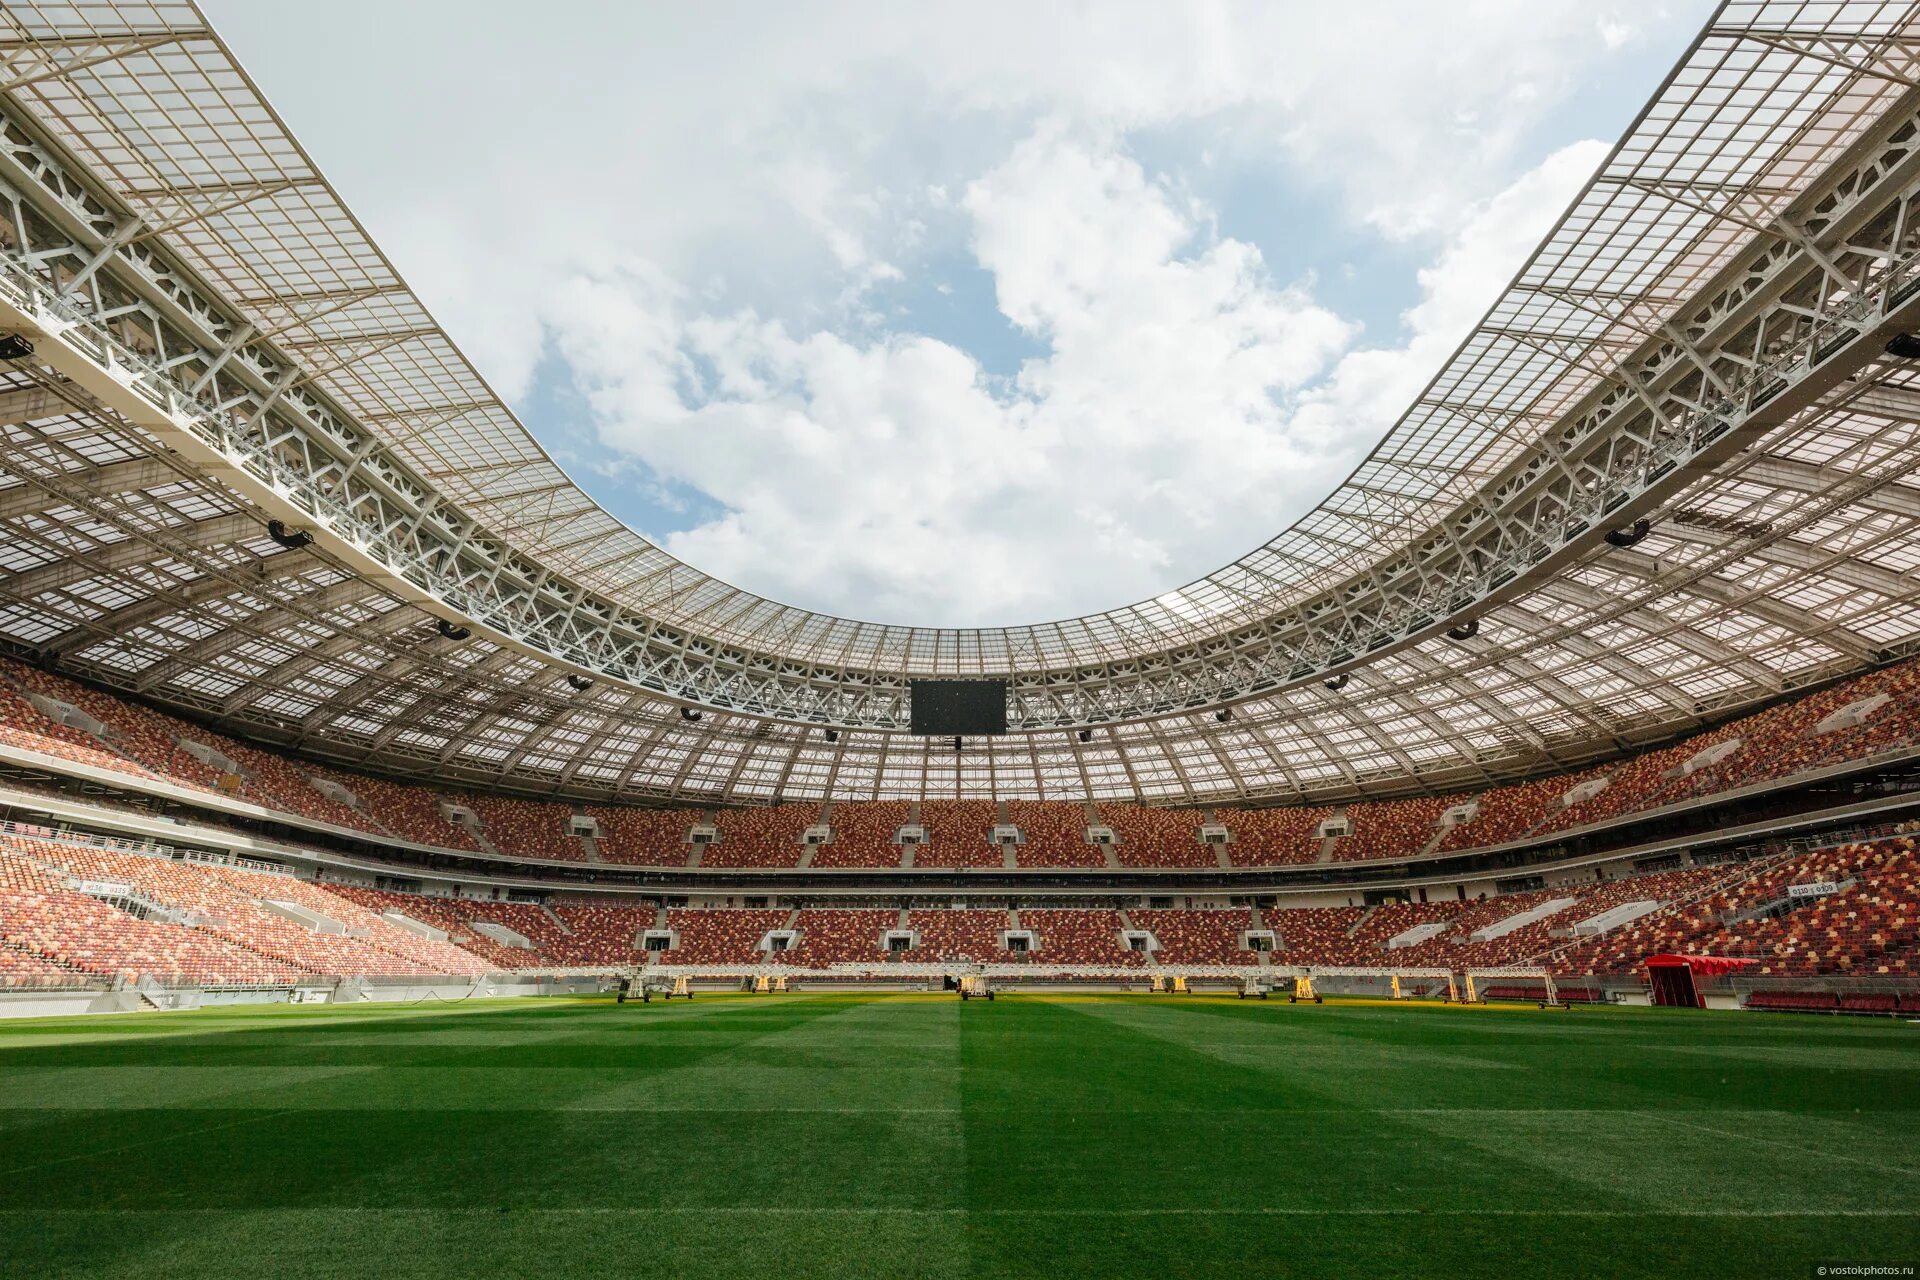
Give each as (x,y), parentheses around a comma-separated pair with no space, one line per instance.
(409,867)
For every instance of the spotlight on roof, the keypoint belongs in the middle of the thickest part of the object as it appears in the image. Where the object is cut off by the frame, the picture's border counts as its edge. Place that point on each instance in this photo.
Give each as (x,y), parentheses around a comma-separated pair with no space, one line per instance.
(689,715)
(451,632)
(1338,683)
(14,347)
(1631,534)
(956,746)
(1904,345)
(580,683)
(291,539)
(1223,715)
(833,735)
(1465,631)
(1086,735)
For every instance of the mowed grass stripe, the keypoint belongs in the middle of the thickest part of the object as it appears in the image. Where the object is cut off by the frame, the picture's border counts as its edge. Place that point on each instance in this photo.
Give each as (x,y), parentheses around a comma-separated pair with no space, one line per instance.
(1537,1188)
(872,1136)
(1299,1155)
(923,1244)
(1576,1153)
(439,1150)
(1584,1059)
(423,1106)
(460,1244)
(1171,1211)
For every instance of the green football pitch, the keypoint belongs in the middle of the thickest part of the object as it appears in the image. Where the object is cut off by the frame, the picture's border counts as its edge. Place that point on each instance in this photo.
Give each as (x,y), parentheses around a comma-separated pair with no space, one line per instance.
(1045,1136)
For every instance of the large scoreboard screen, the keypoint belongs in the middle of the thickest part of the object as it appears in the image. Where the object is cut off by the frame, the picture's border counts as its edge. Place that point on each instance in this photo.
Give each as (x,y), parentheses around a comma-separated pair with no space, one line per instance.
(958,708)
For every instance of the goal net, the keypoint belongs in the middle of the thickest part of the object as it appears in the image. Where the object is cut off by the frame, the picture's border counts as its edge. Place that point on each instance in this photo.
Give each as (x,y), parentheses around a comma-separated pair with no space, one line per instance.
(1386,982)
(1531,985)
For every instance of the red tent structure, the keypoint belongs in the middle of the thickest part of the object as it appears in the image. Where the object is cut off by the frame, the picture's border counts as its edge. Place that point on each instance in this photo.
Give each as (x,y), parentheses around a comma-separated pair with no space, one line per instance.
(1671,977)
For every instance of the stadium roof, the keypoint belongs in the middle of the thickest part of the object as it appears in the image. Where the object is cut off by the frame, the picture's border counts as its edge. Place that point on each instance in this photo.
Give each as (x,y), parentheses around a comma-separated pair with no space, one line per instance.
(1699,343)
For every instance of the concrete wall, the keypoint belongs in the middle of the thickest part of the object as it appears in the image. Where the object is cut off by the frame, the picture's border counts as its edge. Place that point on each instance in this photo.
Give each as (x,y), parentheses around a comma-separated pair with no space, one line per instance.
(43,1004)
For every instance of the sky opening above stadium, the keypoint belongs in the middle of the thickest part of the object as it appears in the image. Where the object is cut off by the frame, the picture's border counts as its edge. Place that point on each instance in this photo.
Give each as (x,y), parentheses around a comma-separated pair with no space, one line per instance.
(900,317)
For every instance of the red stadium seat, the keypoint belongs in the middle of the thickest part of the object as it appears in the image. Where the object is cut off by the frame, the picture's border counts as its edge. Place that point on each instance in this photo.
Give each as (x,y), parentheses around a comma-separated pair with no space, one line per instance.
(764,837)
(1056,834)
(957,834)
(863,834)
(1151,837)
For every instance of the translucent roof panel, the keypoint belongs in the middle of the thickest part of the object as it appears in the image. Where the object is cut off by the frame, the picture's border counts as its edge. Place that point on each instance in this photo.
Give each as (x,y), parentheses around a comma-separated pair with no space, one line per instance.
(1791,561)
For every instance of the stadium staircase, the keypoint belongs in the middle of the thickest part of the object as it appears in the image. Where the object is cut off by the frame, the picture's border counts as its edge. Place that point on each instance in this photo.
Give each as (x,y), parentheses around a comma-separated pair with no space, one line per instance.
(907,851)
(130,751)
(825,819)
(1521,919)
(304,916)
(1329,843)
(1738,875)
(139,905)
(1612,918)
(505,935)
(98,730)
(556,921)
(1413,936)
(1221,855)
(394,916)
(1361,923)
(1094,819)
(1782,900)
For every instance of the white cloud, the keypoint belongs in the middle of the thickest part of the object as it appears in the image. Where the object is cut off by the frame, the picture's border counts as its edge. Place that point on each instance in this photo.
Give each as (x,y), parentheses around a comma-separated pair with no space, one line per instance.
(1375,385)
(1181,412)
(796,149)
(698,210)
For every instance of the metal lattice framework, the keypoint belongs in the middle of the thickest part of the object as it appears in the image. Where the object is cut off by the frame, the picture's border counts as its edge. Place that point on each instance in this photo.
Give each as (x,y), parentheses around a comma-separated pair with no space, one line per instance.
(1700,343)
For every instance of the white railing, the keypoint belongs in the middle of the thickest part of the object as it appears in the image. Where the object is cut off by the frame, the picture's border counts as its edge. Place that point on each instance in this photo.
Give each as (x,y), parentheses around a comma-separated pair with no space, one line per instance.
(83,839)
(141,848)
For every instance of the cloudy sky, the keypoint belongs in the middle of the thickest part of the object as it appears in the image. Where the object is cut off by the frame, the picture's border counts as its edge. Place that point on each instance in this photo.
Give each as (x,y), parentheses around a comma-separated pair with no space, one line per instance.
(958,314)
